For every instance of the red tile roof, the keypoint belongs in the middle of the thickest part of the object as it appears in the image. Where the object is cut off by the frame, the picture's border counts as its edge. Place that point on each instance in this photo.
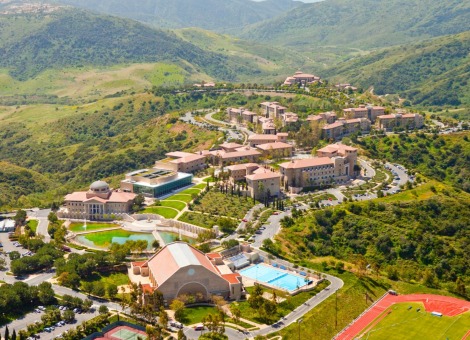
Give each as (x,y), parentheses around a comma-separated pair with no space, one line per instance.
(233,278)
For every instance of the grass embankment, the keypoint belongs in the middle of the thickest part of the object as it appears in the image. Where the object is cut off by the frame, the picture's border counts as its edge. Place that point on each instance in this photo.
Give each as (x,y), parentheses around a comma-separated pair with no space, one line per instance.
(162,211)
(104,238)
(33,225)
(79,226)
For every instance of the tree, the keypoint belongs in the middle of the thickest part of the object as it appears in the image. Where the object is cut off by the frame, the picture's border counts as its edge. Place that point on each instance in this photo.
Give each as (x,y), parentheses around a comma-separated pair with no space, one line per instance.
(460,285)
(99,289)
(112,290)
(7,333)
(3,264)
(87,305)
(163,318)
(13,335)
(14,255)
(236,312)
(87,287)
(46,293)
(103,310)
(178,307)
(20,219)
(68,316)
(156,244)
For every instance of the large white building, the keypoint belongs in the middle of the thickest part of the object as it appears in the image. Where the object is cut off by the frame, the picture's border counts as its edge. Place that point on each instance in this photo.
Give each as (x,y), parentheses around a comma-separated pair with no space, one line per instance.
(98,203)
(180,269)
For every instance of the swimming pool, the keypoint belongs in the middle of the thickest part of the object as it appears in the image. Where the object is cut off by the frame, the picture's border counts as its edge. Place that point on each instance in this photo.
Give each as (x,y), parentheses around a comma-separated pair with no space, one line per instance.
(274,277)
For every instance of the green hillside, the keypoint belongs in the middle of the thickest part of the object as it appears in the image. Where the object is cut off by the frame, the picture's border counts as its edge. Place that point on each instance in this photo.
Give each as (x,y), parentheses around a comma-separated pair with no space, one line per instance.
(208,14)
(16,182)
(363,24)
(444,158)
(432,72)
(71,37)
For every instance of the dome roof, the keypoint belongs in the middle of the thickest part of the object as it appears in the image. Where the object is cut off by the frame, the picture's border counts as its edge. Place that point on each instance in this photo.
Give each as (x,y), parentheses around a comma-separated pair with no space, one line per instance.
(99,186)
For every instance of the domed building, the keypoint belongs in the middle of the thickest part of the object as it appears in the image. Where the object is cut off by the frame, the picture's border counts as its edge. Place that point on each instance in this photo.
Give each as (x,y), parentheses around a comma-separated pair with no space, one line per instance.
(100,202)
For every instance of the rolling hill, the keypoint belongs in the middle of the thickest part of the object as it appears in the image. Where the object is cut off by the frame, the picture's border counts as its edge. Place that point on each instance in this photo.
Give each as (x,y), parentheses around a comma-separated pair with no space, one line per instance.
(363,24)
(71,37)
(432,72)
(208,14)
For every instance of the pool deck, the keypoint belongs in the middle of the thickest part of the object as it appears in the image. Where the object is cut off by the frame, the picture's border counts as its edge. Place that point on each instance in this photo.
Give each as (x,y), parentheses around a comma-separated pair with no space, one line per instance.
(249,281)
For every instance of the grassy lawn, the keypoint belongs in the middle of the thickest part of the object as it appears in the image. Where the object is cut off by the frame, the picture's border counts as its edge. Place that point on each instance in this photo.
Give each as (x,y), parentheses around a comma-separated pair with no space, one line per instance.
(417,325)
(118,279)
(190,191)
(200,186)
(196,314)
(181,197)
(162,211)
(173,204)
(201,220)
(33,225)
(78,226)
(217,203)
(104,238)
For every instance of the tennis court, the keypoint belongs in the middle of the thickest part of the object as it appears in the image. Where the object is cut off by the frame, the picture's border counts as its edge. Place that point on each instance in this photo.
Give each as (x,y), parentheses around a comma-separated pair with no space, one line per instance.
(125,333)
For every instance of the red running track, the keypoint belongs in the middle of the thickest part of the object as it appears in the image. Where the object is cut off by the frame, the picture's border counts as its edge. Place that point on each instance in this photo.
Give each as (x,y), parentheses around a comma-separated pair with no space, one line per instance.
(433,303)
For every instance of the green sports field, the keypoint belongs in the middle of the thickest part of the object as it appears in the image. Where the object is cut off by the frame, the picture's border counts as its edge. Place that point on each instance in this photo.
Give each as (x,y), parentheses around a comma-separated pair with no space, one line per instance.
(408,323)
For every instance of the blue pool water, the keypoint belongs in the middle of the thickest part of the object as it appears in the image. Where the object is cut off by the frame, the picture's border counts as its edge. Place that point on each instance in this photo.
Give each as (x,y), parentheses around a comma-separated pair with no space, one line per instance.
(274,277)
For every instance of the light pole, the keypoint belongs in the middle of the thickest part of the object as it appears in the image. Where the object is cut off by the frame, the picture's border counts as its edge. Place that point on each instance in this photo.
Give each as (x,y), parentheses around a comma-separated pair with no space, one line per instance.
(336,309)
(299,321)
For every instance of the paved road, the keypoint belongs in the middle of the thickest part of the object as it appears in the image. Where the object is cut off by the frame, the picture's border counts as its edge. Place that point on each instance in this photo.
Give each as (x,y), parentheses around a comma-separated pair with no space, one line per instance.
(273,225)
(369,171)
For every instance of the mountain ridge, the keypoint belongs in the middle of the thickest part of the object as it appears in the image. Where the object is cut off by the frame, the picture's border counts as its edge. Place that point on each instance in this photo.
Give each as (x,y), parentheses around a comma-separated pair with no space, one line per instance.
(364,24)
(208,14)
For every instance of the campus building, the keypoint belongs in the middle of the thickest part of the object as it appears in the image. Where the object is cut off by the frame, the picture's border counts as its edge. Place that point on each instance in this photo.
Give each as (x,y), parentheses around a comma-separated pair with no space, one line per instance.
(335,164)
(241,115)
(264,183)
(344,127)
(179,161)
(180,269)
(155,182)
(370,112)
(258,139)
(276,149)
(228,155)
(326,117)
(409,120)
(7,225)
(301,78)
(272,110)
(238,172)
(98,203)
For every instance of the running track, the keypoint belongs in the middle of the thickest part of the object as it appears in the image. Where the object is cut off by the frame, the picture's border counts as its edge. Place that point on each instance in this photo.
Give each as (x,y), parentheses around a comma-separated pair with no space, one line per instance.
(433,303)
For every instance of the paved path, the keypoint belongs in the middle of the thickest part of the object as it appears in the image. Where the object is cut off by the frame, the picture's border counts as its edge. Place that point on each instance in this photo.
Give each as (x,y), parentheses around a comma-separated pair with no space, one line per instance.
(369,171)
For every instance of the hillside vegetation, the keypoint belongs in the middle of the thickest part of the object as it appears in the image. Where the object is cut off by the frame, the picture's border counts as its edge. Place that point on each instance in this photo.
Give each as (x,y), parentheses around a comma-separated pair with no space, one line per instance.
(432,72)
(363,24)
(445,157)
(71,37)
(416,236)
(73,146)
(16,182)
(208,14)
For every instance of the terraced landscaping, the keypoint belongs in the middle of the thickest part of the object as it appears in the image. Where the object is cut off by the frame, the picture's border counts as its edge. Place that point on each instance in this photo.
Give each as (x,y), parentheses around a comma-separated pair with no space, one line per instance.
(166,212)
(173,204)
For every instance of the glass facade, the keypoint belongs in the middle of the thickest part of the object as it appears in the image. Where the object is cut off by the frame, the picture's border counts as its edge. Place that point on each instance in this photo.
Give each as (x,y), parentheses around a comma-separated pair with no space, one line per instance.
(164,188)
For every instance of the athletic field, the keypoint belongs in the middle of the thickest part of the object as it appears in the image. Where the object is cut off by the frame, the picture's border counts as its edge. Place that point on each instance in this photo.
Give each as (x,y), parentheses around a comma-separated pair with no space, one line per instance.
(412,321)
(415,316)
